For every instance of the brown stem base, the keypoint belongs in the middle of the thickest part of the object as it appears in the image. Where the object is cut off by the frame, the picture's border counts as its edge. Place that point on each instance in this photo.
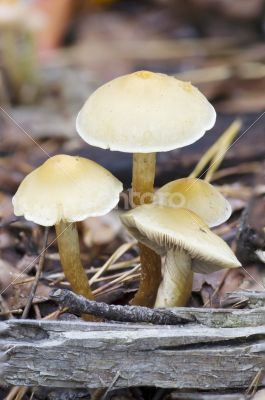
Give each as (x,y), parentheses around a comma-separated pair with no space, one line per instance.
(150,277)
(68,243)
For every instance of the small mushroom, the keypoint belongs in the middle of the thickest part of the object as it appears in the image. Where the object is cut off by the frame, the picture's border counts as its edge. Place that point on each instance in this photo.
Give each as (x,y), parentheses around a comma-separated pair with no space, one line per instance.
(64,190)
(187,244)
(144,113)
(198,196)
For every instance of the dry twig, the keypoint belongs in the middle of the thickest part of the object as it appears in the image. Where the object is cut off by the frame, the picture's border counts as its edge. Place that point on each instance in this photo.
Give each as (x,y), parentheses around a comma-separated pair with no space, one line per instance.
(81,305)
(38,274)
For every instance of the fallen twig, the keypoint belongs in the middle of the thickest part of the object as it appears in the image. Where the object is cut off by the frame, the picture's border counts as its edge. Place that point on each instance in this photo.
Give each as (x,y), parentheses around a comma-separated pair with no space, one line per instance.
(80,305)
(38,274)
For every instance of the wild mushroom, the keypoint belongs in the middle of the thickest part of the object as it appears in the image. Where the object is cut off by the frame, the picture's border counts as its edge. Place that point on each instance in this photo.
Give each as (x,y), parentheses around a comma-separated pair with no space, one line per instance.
(187,244)
(64,190)
(198,196)
(144,113)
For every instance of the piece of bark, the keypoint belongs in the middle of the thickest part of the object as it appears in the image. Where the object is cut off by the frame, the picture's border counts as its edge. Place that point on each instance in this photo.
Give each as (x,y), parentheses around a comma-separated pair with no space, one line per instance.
(97,355)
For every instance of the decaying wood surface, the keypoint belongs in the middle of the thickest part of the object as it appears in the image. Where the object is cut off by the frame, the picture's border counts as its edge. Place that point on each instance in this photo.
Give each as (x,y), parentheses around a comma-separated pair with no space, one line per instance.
(194,356)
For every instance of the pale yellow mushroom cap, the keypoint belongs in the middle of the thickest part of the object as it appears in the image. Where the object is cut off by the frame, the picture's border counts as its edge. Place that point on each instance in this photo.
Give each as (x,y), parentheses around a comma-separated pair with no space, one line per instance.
(145,112)
(66,188)
(198,196)
(164,228)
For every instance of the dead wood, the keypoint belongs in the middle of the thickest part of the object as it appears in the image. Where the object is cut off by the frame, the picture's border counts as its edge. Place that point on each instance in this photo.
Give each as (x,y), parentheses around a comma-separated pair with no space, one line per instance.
(80,305)
(219,350)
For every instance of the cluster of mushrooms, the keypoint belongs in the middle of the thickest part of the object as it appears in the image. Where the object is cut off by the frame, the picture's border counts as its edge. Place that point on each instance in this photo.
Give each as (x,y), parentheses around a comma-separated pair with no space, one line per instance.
(141,113)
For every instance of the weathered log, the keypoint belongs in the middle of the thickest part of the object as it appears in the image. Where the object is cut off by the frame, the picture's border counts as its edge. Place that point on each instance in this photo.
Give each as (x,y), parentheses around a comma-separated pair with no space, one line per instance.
(96,355)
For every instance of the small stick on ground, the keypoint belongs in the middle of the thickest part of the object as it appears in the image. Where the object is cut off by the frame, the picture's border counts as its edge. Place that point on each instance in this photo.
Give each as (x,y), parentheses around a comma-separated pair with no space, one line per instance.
(81,305)
(38,274)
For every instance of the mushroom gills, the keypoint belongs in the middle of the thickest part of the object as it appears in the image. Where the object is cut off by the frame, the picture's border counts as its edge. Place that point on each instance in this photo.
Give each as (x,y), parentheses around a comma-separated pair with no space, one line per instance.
(175,288)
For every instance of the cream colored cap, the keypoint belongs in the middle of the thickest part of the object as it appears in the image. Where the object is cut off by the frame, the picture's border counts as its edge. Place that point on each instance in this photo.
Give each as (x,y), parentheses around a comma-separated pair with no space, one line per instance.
(198,196)
(67,188)
(163,228)
(145,112)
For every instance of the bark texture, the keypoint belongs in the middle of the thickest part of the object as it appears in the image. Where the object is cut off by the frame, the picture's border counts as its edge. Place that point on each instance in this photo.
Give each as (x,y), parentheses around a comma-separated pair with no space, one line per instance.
(201,355)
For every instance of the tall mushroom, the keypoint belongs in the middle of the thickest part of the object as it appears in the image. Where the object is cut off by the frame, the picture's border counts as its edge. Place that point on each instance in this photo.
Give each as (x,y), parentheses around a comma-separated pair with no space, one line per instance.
(198,196)
(144,113)
(64,190)
(187,244)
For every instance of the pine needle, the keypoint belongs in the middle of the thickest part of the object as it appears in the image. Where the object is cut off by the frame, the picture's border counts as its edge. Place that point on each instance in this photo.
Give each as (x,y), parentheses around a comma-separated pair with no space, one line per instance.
(216,153)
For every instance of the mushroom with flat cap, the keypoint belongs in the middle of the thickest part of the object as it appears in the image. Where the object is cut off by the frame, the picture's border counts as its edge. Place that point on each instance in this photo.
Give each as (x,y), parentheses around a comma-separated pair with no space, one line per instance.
(187,244)
(144,113)
(64,190)
(198,196)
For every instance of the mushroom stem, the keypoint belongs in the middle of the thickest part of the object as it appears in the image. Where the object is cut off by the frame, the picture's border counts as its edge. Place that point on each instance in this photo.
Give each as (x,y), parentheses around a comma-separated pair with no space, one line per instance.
(175,288)
(144,166)
(143,188)
(68,244)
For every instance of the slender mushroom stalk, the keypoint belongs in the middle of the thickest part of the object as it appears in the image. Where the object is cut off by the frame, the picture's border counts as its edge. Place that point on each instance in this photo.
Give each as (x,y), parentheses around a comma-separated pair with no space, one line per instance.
(68,244)
(144,165)
(177,280)
(143,188)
